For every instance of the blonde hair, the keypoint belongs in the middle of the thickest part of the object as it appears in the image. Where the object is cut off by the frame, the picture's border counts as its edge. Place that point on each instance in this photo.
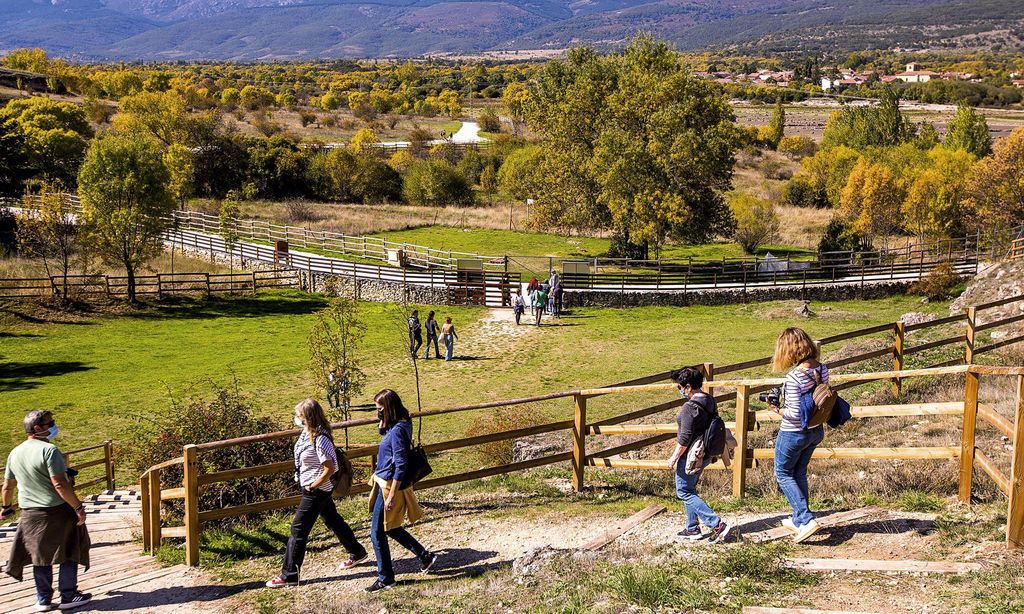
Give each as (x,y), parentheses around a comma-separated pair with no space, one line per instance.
(316,420)
(792,347)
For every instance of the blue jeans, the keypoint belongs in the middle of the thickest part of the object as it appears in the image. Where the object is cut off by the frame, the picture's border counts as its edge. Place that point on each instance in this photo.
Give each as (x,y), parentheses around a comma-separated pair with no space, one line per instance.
(67,581)
(696,509)
(381,548)
(793,451)
(449,346)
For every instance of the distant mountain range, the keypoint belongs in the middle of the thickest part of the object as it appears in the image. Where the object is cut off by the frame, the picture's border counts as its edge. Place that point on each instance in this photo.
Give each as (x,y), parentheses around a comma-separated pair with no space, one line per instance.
(293,29)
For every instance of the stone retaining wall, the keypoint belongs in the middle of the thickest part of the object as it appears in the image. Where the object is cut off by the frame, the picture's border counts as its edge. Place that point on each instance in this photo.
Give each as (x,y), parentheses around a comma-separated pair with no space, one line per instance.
(678,298)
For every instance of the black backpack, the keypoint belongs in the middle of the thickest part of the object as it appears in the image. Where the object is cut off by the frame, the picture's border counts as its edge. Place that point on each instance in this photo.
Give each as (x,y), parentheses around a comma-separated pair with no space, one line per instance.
(714,437)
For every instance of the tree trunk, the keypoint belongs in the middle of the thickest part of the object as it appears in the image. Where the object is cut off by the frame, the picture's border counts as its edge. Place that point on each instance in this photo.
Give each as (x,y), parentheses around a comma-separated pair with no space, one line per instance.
(131,283)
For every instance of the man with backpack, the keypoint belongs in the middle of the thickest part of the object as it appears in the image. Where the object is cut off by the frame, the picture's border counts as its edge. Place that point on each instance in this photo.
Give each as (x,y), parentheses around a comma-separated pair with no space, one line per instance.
(699,427)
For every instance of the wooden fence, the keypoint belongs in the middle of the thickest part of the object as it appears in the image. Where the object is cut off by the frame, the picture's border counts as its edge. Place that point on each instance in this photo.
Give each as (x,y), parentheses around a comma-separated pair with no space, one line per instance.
(194,465)
(159,285)
(104,464)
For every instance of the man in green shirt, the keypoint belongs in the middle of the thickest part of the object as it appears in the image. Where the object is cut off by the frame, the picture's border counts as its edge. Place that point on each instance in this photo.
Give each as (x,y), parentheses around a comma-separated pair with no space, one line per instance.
(51,529)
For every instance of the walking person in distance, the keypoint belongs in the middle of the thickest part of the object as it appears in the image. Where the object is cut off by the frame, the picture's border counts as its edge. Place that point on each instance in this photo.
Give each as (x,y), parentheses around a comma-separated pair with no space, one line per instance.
(415,333)
(392,501)
(51,530)
(433,328)
(316,461)
(449,334)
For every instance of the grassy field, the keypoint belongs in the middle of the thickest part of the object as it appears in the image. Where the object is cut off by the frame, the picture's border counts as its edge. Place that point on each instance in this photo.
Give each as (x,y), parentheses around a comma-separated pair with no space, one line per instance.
(500,242)
(104,372)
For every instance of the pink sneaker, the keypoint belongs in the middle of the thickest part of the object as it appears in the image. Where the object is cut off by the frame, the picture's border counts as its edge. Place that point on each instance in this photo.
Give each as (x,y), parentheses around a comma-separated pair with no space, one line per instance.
(353,561)
(279,582)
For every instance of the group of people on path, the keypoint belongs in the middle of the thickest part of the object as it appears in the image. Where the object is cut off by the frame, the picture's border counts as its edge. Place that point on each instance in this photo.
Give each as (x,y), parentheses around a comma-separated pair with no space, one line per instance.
(445,331)
(52,530)
(392,502)
(798,355)
(541,297)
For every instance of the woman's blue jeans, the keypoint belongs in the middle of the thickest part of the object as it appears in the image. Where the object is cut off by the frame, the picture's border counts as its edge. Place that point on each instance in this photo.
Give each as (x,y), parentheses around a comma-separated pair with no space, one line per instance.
(697,510)
(381,548)
(449,347)
(793,451)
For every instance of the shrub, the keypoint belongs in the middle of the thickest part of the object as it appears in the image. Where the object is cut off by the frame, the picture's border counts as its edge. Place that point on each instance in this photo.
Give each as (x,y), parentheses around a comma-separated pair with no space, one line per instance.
(937,284)
(437,183)
(756,221)
(797,147)
(401,160)
(471,165)
(775,169)
(501,419)
(489,121)
(840,237)
(227,414)
(800,192)
(299,212)
(517,176)
(376,182)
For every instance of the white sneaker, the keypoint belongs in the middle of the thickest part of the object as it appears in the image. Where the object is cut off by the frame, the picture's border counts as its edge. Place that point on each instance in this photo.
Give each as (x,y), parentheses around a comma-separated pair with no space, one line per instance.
(805,531)
(787,523)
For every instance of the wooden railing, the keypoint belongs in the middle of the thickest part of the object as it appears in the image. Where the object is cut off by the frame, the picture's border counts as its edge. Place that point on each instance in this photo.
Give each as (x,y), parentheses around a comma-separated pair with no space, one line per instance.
(105,460)
(581,427)
(159,285)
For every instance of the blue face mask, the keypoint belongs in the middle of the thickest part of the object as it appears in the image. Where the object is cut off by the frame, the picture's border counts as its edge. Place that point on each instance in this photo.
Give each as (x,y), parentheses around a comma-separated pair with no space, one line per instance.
(52,433)
(683,394)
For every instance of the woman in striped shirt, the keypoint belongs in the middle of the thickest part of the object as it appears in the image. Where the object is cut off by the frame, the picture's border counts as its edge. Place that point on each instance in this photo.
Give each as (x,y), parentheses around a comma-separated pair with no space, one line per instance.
(796,351)
(316,460)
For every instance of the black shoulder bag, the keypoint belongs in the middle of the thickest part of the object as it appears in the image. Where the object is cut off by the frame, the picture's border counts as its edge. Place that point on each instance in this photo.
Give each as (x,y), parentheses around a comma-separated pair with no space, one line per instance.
(417,466)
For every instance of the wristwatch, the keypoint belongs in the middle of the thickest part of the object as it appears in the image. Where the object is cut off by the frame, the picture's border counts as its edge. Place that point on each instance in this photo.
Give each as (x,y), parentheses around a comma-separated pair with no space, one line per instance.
(81,507)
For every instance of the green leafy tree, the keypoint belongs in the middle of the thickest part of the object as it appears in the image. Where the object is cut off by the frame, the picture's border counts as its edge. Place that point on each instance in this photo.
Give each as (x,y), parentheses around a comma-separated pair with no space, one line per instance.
(927,136)
(518,176)
(996,187)
(228,219)
(871,201)
(968,131)
(756,221)
(55,135)
(126,204)
(777,125)
(632,144)
(47,231)
(516,99)
(436,183)
(882,125)
(489,181)
(14,166)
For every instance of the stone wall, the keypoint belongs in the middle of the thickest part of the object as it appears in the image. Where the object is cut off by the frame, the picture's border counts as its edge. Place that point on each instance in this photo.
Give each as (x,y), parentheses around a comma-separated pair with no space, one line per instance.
(678,298)
(372,289)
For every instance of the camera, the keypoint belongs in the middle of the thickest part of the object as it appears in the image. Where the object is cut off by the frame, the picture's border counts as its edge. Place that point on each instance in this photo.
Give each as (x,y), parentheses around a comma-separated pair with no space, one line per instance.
(771,397)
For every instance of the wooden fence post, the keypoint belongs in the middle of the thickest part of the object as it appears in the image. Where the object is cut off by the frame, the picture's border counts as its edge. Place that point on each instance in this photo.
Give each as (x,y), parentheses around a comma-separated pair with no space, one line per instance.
(972,316)
(191,484)
(1015,512)
(579,439)
(147,544)
(739,467)
(967,435)
(108,457)
(709,371)
(897,357)
(152,513)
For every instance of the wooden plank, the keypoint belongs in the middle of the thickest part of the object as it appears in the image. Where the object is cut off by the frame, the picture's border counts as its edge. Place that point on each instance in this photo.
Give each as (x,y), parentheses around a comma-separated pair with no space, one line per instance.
(166,532)
(245,472)
(623,527)
(1015,506)
(191,486)
(743,417)
(996,420)
(579,442)
(905,566)
(641,429)
(824,521)
(989,467)
(644,463)
(967,436)
(930,453)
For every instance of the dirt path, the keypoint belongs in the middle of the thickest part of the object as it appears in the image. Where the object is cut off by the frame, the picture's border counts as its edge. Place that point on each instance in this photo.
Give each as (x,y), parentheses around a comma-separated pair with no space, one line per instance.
(121,578)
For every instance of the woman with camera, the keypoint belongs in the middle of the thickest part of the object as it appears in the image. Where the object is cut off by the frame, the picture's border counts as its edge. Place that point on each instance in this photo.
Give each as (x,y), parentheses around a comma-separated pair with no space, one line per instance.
(796,352)
(316,460)
(392,502)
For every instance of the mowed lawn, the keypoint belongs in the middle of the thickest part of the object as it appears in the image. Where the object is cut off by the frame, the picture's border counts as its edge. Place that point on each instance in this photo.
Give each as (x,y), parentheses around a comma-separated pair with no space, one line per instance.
(104,374)
(515,243)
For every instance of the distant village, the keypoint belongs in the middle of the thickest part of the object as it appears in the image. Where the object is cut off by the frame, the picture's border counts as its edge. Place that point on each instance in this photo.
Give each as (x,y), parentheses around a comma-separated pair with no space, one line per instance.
(839,78)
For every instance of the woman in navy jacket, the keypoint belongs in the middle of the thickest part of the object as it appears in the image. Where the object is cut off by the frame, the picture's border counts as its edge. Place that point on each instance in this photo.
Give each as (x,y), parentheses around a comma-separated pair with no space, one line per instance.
(392,503)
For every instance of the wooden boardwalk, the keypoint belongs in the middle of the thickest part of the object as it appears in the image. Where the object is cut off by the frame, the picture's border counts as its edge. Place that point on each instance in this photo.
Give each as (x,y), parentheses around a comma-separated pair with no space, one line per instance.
(122,578)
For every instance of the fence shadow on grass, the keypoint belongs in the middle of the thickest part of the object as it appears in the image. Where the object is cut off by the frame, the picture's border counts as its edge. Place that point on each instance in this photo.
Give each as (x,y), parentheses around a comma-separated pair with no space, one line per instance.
(27,375)
(184,308)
